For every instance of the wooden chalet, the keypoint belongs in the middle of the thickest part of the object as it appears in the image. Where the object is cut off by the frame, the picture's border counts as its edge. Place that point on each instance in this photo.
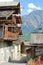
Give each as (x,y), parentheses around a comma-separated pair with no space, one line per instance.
(10,28)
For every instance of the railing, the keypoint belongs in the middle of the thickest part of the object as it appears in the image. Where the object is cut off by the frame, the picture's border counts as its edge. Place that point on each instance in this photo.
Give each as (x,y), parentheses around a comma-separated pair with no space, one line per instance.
(11,36)
(11,32)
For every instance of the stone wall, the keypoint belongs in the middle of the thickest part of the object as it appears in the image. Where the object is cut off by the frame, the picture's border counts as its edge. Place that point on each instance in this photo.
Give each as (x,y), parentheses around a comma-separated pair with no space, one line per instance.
(36,38)
(4,52)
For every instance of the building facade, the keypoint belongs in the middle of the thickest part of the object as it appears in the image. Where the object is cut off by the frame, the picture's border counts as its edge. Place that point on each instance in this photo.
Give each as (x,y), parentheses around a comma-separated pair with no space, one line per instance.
(36,41)
(10,29)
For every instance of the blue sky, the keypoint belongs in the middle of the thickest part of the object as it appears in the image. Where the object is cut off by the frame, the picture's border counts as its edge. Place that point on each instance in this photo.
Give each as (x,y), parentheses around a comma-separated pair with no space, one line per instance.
(30,5)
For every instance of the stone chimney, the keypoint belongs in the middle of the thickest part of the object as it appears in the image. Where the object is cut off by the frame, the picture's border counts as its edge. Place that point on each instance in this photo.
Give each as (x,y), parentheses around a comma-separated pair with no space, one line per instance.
(40,30)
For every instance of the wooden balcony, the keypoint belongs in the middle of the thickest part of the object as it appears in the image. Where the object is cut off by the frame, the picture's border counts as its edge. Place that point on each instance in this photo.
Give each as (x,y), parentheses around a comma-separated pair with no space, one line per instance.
(10,34)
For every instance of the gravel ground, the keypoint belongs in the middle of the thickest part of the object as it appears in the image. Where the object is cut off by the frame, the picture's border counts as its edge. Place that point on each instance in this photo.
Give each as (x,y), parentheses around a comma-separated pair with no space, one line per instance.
(12,63)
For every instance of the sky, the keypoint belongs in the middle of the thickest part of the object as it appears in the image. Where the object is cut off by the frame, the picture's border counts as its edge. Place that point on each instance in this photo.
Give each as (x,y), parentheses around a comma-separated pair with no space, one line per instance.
(27,6)
(30,5)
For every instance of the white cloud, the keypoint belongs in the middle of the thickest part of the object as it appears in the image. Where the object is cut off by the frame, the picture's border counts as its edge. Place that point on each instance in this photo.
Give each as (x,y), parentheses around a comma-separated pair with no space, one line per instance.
(5,0)
(21,8)
(32,6)
(29,10)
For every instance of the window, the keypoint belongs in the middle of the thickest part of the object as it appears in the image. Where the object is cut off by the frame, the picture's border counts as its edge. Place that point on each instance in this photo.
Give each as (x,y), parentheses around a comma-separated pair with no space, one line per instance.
(14,30)
(9,43)
(10,29)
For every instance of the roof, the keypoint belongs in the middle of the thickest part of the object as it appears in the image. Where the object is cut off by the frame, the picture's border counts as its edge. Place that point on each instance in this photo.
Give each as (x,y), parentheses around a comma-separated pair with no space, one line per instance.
(9,0)
(37,33)
(8,4)
(26,43)
(8,8)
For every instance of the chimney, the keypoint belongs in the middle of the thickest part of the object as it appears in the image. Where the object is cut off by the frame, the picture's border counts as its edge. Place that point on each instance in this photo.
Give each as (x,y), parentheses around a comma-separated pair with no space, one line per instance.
(40,30)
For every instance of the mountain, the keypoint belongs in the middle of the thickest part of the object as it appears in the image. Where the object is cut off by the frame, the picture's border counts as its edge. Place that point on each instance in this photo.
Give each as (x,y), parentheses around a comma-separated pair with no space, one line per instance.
(31,23)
